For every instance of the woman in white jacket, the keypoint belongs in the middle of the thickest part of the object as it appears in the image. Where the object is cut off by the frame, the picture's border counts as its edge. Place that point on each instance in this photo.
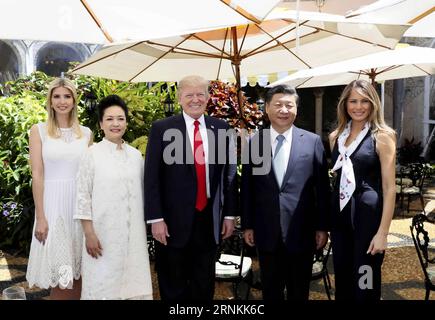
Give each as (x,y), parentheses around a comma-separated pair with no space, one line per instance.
(115,261)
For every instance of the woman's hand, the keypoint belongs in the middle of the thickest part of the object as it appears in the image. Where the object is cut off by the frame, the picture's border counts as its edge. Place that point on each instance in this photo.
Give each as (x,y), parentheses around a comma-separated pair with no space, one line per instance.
(93,245)
(378,244)
(41,229)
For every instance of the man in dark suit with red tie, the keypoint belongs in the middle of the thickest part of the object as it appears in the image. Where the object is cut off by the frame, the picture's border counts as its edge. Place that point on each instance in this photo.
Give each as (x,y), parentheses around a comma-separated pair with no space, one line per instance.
(190,194)
(285,199)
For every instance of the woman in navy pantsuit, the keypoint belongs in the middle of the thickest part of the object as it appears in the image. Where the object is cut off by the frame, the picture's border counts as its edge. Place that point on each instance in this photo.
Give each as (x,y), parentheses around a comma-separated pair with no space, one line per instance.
(363,155)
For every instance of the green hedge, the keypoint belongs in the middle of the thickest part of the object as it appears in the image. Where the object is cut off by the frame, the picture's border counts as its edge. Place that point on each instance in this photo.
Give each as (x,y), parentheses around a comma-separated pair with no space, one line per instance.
(25,106)
(17,115)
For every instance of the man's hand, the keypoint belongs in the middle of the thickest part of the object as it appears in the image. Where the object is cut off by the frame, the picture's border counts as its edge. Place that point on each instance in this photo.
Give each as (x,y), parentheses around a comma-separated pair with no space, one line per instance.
(227,228)
(321,239)
(159,231)
(248,235)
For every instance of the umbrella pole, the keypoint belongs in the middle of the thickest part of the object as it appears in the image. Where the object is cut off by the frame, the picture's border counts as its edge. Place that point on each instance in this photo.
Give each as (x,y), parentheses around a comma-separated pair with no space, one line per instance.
(96,20)
(238,86)
(243,123)
(372,76)
(236,63)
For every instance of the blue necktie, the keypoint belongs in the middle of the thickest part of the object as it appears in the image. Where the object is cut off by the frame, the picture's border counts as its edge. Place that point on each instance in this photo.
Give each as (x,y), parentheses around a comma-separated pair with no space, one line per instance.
(279,163)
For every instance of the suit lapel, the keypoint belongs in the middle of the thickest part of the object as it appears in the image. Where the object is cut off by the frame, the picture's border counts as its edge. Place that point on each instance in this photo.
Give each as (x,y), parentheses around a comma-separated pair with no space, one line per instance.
(267,155)
(294,152)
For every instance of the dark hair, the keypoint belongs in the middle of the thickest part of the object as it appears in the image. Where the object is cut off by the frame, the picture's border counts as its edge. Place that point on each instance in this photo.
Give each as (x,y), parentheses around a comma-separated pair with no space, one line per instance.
(281,88)
(110,101)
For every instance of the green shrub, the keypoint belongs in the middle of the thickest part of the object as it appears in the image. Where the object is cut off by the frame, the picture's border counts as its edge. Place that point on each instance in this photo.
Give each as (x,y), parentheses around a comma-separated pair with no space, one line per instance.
(140,144)
(144,103)
(17,115)
(24,107)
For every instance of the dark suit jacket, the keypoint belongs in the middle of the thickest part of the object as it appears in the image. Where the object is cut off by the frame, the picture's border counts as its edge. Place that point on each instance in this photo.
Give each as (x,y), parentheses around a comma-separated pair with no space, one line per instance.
(303,198)
(170,189)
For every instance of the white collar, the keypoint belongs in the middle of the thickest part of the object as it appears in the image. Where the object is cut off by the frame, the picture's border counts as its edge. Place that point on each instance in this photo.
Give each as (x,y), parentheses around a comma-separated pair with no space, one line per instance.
(113,146)
(189,120)
(287,134)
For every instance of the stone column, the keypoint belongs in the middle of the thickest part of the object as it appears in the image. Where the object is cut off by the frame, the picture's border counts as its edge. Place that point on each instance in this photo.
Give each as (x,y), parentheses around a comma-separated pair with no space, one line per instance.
(318,93)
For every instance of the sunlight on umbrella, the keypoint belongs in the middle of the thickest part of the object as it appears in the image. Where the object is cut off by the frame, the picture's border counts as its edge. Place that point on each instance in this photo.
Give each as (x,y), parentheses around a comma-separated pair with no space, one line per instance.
(421,14)
(243,50)
(105,21)
(325,6)
(387,65)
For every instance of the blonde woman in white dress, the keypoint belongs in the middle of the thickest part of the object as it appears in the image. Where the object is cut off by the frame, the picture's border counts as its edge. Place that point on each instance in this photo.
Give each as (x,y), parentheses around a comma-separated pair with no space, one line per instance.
(56,147)
(115,261)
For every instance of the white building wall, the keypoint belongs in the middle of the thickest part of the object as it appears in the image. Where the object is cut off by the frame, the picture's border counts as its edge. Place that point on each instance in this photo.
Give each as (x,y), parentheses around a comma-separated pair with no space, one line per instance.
(27,52)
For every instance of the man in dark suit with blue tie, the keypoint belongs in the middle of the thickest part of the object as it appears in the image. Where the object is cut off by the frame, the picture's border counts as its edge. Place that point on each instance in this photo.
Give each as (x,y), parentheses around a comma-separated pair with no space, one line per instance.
(190,194)
(285,198)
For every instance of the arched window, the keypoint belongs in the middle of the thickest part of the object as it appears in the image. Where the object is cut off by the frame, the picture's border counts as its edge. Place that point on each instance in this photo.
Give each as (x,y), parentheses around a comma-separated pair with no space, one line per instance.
(53,59)
(8,63)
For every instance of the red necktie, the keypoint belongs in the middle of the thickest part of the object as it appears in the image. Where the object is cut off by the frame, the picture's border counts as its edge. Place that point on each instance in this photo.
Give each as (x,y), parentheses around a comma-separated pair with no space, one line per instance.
(199,158)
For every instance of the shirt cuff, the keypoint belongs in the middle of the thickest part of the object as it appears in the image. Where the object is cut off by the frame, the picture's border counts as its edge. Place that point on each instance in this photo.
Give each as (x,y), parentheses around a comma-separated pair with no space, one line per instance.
(81,217)
(154,220)
(229,217)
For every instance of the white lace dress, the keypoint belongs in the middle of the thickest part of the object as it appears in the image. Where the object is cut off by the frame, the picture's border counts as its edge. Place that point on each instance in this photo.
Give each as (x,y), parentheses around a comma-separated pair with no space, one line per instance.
(110,193)
(59,261)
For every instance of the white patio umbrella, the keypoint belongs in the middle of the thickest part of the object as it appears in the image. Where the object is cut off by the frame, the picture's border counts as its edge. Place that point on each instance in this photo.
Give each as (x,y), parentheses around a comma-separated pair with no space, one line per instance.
(103,21)
(325,6)
(421,14)
(424,27)
(243,50)
(386,65)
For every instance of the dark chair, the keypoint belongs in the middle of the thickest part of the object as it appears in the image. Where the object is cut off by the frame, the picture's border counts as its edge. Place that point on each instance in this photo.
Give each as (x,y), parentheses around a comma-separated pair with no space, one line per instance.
(415,175)
(421,241)
(151,244)
(402,181)
(233,266)
(320,268)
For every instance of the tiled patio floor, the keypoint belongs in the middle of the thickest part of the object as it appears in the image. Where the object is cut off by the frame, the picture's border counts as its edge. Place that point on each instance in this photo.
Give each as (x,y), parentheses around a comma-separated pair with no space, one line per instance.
(402,275)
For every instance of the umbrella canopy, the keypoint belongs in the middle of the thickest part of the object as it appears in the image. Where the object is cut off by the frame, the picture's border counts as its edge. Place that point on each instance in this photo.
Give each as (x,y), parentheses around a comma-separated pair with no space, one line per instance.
(326,6)
(423,27)
(387,65)
(104,21)
(421,14)
(243,50)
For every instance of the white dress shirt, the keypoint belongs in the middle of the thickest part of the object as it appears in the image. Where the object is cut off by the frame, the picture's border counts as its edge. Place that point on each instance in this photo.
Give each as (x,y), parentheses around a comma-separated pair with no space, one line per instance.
(190,128)
(286,144)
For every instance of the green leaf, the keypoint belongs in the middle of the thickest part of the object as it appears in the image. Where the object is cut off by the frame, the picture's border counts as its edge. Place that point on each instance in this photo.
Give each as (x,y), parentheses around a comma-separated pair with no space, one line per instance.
(16,175)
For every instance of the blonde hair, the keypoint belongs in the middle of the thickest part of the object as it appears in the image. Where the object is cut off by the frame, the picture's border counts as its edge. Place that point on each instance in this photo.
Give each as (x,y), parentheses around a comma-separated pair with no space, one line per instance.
(73,121)
(376,118)
(192,81)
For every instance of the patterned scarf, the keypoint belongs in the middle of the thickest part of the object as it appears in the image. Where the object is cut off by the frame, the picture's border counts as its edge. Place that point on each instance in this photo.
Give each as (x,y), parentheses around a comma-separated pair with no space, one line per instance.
(347,181)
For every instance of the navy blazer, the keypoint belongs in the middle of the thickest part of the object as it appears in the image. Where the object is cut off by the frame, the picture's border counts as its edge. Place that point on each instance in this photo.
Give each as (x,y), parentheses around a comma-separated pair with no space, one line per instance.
(303,198)
(170,189)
